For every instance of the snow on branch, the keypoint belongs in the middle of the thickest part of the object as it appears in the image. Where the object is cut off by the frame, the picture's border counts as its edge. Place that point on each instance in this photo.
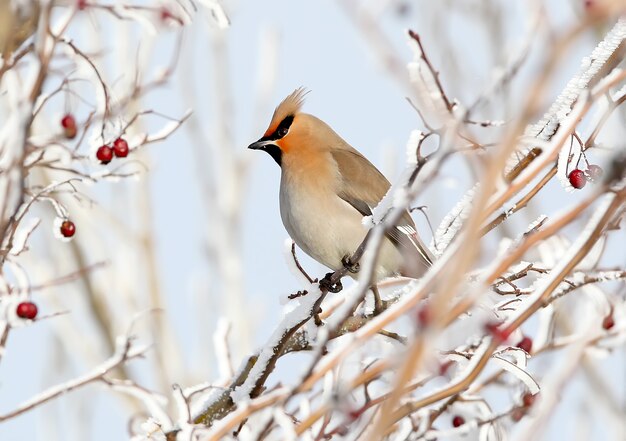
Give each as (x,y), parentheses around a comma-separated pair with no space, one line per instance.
(590,67)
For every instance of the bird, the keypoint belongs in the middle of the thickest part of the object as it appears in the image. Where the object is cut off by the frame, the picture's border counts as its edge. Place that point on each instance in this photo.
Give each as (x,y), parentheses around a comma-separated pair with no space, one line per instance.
(326,188)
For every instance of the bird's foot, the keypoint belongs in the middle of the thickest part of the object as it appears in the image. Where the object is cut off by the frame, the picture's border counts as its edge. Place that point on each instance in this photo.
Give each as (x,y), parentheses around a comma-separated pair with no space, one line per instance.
(381,305)
(351,266)
(327,284)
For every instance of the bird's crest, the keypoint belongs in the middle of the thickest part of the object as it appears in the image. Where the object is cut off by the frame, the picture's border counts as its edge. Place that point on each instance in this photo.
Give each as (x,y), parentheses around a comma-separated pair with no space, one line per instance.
(290,106)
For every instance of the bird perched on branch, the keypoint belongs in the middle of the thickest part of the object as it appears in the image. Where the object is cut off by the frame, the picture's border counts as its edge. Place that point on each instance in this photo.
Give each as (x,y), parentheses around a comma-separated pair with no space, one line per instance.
(326,188)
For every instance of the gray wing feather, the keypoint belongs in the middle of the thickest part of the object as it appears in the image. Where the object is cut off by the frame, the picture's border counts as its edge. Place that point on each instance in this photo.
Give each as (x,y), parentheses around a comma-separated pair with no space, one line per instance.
(367,186)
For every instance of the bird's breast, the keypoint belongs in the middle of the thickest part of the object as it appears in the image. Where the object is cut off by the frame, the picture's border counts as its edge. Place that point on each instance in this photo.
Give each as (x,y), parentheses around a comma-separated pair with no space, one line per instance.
(323,225)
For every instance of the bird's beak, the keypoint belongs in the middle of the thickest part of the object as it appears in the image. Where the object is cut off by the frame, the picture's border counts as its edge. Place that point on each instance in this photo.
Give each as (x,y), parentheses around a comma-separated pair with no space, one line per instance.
(260,145)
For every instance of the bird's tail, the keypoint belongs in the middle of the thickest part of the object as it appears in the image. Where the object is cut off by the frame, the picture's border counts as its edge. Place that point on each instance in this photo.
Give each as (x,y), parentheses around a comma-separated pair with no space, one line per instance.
(417,259)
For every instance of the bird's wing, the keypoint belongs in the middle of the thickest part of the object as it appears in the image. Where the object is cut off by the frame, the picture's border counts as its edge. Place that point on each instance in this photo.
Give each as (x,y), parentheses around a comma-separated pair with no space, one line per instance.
(363,186)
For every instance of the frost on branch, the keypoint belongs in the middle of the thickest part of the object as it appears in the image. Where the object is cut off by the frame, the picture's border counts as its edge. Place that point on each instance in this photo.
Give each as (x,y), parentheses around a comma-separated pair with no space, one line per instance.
(452,223)
(589,68)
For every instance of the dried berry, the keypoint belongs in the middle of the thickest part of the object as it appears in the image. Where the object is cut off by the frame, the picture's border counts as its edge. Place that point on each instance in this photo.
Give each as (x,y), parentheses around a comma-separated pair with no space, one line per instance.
(594,172)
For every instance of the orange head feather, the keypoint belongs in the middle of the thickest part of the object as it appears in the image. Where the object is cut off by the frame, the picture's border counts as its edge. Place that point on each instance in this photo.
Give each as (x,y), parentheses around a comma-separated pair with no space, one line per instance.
(290,106)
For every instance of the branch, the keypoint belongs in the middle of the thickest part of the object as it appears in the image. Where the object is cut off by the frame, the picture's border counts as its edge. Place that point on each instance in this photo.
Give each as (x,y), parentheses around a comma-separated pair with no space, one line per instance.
(125,351)
(578,250)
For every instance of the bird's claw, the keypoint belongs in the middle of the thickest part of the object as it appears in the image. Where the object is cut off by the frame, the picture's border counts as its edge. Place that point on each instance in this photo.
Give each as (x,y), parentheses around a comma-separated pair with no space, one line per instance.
(327,284)
(352,267)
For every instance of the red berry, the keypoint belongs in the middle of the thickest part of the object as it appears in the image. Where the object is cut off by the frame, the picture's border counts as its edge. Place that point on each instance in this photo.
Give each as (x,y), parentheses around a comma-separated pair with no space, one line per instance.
(68,228)
(526,343)
(497,332)
(577,178)
(517,414)
(444,367)
(424,315)
(167,15)
(68,121)
(69,126)
(104,154)
(81,5)
(608,322)
(355,414)
(27,310)
(594,172)
(528,399)
(458,421)
(120,148)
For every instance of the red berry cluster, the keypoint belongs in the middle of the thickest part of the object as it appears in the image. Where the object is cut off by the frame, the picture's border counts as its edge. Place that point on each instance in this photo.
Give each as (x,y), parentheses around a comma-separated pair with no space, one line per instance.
(105,153)
(68,122)
(26,310)
(579,178)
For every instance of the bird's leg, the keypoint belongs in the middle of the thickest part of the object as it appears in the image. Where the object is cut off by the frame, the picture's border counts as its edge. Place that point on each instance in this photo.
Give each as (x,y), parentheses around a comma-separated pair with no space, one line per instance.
(327,284)
(378,302)
(347,263)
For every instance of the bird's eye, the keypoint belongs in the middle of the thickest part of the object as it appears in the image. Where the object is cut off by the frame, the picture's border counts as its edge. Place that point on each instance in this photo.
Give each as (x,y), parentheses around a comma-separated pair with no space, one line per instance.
(283,127)
(282,132)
